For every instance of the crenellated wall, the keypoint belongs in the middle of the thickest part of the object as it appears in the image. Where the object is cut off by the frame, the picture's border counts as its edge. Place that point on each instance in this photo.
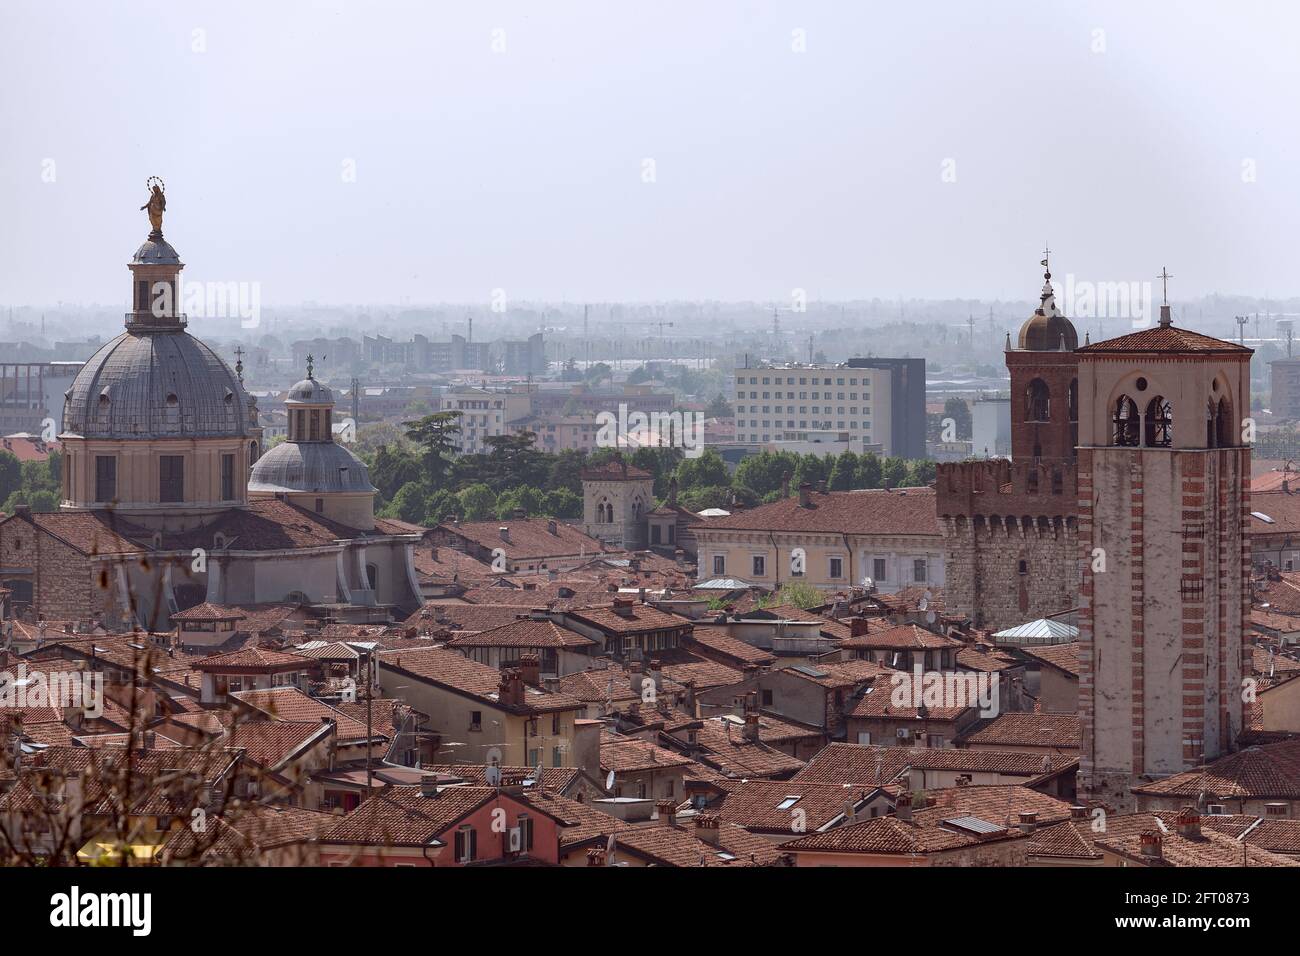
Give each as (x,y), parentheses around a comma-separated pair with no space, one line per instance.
(1010,539)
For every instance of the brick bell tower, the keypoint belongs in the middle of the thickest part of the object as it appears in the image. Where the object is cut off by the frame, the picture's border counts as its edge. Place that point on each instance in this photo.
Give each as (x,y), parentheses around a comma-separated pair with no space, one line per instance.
(1044,383)
(1010,528)
(1164,482)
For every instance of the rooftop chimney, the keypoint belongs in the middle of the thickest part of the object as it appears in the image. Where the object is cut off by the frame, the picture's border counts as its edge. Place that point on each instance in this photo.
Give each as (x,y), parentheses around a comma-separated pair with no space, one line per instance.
(821,487)
(667,812)
(510,692)
(785,486)
(623,607)
(751,728)
(858,626)
(1188,823)
(805,495)
(1151,839)
(552,527)
(903,807)
(428,784)
(706,828)
(1078,813)
(530,670)
(596,856)
(1028,823)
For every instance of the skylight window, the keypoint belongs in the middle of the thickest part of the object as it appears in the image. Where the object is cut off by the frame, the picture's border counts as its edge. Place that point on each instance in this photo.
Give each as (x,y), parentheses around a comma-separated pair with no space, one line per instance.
(788,802)
(1262,517)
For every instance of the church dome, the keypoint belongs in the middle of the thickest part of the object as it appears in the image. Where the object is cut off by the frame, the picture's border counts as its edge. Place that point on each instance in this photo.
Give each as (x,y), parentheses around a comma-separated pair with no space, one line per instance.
(309,467)
(156,385)
(156,252)
(1048,328)
(309,392)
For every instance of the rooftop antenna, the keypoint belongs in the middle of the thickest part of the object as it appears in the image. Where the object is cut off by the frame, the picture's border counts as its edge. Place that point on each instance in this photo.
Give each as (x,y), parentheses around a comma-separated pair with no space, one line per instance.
(1241,328)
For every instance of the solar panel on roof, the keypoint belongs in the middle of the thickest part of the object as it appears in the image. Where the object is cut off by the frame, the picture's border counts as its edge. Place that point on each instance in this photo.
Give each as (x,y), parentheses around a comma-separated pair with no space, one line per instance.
(973,825)
(809,671)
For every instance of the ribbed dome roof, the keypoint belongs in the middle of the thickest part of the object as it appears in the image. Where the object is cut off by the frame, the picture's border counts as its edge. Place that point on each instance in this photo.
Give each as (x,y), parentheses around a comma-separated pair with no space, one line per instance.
(156,252)
(319,467)
(156,385)
(309,392)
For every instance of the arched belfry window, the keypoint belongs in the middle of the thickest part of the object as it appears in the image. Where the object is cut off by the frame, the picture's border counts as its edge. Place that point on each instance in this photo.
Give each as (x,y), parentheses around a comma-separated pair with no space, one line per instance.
(1224,426)
(1038,402)
(1127,425)
(1160,423)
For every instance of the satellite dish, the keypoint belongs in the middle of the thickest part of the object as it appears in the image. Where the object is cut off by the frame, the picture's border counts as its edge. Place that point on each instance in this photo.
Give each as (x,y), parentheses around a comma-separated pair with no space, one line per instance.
(929,618)
(493,776)
(868,582)
(922,604)
(609,782)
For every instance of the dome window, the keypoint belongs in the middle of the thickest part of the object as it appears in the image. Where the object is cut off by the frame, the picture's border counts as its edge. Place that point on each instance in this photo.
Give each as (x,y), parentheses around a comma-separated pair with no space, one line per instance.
(172,400)
(104,397)
(230,396)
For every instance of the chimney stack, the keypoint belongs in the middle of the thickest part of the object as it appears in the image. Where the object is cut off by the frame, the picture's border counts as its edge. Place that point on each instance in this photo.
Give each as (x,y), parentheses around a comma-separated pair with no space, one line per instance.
(821,487)
(903,807)
(667,812)
(623,607)
(707,828)
(504,531)
(530,670)
(428,785)
(1078,813)
(552,527)
(1188,823)
(510,692)
(858,626)
(596,856)
(805,495)
(1151,845)
(1028,823)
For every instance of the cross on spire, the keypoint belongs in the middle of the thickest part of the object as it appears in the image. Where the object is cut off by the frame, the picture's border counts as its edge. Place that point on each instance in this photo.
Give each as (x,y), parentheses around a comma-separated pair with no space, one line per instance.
(1165,277)
(239,363)
(1047,258)
(310,364)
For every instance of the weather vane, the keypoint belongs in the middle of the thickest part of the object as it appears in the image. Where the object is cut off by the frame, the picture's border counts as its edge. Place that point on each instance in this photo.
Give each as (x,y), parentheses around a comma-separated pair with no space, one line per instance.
(1164,277)
(156,205)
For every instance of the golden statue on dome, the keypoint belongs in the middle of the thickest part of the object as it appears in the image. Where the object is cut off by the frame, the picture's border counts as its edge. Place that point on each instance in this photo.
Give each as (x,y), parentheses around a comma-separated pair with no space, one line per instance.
(156,205)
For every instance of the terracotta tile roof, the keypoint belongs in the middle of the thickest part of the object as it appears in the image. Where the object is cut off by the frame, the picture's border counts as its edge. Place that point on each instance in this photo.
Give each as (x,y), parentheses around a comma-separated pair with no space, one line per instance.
(455,671)
(596,686)
(705,675)
(877,704)
(555,595)
(530,538)
(997,803)
(1282,506)
(715,642)
(1282,595)
(640,619)
(580,823)
(444,564)
(264,525)
(1209,849)
(402,816)
(465,617)
(90,532)
(906,511)
(271,743)
(102,771)
(209,612)
(841,674)
(679,846)
(252,658)
(395,526)
(1064,657)
(291,704)
(769,806)
(903,637)
(243,836)
(725,747)
(524,633)
(632,755)
(1270,771)
(842,763)
(988,662)
(1026,730)
(1264,662)
(615,471)
(1163,339)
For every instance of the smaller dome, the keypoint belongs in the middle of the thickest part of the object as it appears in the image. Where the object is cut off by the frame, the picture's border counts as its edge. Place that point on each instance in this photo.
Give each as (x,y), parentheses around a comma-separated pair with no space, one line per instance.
(1047,328)
(309,392)
(156,252)
(309,467)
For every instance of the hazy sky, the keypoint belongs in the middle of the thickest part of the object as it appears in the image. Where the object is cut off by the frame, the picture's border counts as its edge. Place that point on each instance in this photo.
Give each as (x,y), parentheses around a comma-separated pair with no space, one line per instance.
(1123,133)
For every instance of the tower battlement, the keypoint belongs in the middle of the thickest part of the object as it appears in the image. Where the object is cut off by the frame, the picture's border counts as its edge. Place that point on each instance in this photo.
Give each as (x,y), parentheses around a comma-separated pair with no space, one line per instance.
(998,487)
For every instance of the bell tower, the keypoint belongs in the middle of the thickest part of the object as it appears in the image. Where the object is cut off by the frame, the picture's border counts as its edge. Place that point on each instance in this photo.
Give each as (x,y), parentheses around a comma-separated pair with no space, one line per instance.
(1044,382)
(1164,481)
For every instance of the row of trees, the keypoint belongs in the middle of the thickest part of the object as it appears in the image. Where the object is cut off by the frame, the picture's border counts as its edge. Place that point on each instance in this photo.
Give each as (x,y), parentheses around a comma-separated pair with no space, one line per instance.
(420,480)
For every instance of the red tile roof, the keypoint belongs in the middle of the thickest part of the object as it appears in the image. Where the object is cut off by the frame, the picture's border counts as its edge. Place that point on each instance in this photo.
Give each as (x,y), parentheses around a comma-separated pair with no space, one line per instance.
(455,671)
(1270,771)
(1060,731)
(903,637)
(403,816)
(524,633)
(906,511)
(271,743)
(1164,339)
(842,763)
(530,538)
(1063,657)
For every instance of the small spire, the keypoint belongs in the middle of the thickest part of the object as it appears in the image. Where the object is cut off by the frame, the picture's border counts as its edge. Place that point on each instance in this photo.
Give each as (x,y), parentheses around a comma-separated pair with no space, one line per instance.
(239,363)
(1008,341)
(310,365)
(1047,301)
(1166,318)
(1087,339)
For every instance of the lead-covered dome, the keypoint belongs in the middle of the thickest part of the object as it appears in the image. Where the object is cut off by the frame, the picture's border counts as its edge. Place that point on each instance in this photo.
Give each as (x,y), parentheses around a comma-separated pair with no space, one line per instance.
(321,467)
(156,385)
(309,392)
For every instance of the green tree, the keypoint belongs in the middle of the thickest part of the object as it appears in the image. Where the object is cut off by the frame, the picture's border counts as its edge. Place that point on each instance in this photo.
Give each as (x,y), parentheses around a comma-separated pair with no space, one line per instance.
(893,471)
(844,472)
(562,503)
(718,408)
(520,498)
(513,460)
(11,473)
(392,468)
(566,470)
(801,594)
(869,471)
(959,412)
(439,506)
(476,502)
(707,470)
(436,437)
(408,504)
